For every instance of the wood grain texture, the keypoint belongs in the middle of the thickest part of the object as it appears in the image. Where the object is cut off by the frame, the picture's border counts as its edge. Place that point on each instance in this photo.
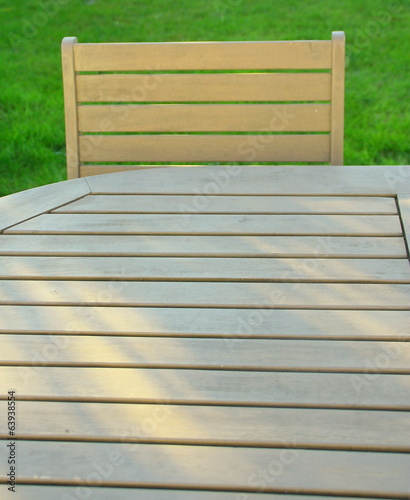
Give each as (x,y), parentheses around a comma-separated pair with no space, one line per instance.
(404,210)
(206,294)
(202,246)
(207,269)
(202,56)
(202,224)
(70,108)
(87,170)
(24,205)
(207,322)
(38,492)
(173,466)
(350,429)
(254,388)
(205,148)
(259,180)
(205,87)
(154,86)
(230,204)
(246,354)
(205,118)
(338,93)
(206,389)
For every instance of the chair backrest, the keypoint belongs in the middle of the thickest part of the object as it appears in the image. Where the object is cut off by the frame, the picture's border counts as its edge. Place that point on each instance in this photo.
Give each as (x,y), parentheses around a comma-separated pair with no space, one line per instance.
(202,102)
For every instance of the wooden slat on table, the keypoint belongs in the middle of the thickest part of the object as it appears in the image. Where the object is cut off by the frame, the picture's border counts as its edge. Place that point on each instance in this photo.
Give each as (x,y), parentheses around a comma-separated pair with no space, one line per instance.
(206,294)
(327,406)
(252,388)
(258,180)
(38,492)
(26,204)
(207,269)
(201,224)
(230,204)
(403,202)
(225,354)
(202,246)
(313,428)
(229,468)
(203,322)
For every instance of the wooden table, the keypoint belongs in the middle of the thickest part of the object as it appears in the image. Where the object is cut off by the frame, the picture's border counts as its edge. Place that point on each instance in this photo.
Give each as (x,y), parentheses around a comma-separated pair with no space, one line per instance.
(209,333)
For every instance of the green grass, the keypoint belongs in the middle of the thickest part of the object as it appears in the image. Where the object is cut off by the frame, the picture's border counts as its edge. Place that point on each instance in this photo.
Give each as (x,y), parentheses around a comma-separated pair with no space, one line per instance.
(32,142)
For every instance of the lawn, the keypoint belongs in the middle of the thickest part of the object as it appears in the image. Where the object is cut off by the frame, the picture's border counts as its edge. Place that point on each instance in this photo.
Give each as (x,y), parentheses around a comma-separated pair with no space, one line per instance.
(32,141)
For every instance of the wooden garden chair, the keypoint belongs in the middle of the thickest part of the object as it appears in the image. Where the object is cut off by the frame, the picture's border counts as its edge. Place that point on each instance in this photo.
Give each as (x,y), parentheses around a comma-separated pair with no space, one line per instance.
(202,102)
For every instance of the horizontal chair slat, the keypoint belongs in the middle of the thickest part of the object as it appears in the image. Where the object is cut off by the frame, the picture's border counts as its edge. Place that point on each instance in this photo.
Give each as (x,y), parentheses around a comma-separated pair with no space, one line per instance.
(242,148)
(204,87)
(205,118)
(202,56)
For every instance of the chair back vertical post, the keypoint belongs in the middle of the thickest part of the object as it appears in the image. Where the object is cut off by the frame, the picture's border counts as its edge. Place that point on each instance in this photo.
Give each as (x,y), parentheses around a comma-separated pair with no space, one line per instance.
(338,92)
(70,107)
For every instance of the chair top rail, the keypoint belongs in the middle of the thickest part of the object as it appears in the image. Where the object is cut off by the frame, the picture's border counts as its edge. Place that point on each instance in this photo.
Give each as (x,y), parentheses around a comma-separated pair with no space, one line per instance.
(203,56)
